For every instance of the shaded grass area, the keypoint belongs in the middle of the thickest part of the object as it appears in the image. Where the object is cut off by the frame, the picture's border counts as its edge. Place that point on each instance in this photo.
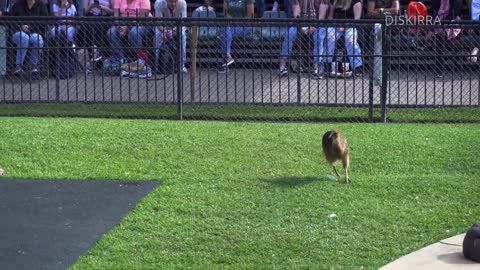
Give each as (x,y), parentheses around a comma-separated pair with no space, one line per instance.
(255,195)
(244,112)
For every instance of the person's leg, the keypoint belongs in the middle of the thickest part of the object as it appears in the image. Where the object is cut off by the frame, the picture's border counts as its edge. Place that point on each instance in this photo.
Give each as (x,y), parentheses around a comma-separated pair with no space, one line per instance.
(158,43)
(136,36)
(113,37)
(332,35)
(21,39)
(353,49)
(319,37)
(226,37)
(53,31)
(71,33)
(287,45)
(36,43)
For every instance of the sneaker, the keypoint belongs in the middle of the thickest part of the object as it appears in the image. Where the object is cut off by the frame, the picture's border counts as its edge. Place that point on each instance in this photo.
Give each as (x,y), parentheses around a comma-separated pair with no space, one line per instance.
(228,61)
(35,71)
(474,57)
(18,70)
(184,69)
(222,69)
(317,74)
(283,71)
(358,72)
(124,74)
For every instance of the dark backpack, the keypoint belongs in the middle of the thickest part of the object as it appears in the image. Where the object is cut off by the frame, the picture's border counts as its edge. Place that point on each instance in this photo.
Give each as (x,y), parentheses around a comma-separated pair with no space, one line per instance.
(471,243)
(167,58)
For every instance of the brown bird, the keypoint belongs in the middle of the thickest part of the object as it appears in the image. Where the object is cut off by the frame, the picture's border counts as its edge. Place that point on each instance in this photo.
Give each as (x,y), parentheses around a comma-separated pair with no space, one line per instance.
(335,148)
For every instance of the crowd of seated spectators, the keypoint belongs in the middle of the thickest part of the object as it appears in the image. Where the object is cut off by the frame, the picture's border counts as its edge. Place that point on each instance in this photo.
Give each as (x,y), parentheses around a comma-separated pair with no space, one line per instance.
(31,38)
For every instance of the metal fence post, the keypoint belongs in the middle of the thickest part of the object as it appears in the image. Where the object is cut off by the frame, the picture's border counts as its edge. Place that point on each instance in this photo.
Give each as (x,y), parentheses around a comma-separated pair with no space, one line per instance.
(383,93)
(179,70)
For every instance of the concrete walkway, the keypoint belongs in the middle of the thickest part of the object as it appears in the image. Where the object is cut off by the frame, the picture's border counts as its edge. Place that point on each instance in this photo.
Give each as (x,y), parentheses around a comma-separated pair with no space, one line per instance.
(446,254)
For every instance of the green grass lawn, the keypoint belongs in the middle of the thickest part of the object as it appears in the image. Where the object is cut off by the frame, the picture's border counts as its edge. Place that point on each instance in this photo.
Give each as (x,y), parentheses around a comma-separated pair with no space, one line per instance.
(255,195)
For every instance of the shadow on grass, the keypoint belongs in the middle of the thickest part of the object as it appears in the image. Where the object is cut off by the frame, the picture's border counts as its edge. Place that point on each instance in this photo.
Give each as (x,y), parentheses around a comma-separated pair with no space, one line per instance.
(291,181)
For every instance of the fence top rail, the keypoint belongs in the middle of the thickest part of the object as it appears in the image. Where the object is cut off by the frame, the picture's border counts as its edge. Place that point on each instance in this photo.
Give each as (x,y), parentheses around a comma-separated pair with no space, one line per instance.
(400,22)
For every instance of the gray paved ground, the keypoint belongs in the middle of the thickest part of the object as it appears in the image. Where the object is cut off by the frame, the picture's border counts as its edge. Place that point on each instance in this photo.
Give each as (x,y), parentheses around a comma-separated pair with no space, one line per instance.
(251,86)
(49,224)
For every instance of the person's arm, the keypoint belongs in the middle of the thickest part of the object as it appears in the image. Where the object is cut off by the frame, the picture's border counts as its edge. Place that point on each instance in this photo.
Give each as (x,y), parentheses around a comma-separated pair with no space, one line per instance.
(225,9)
(250,10)
(373,12)
(159,14)
(116,8)
(144,8)
(296,9)
(357,10)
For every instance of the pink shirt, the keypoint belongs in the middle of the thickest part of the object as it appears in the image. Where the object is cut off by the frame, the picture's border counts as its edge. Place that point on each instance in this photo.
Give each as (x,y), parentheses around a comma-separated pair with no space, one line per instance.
(131,9)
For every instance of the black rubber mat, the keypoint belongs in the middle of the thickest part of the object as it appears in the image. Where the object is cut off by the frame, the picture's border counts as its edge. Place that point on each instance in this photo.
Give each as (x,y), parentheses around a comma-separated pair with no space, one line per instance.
(49,224)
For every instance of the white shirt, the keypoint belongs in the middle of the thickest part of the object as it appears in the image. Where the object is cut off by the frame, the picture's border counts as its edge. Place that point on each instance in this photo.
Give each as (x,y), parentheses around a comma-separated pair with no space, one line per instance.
(71,11)
(162,10)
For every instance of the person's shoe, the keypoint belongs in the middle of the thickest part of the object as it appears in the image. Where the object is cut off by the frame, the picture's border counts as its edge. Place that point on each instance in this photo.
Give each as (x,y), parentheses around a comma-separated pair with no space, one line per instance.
(358,72)
(283,71)
(318,75)
(124,74)
(18,70)
(438,76)
(222,69)
(35,71)
(184,69)
(474,57)
(228,61)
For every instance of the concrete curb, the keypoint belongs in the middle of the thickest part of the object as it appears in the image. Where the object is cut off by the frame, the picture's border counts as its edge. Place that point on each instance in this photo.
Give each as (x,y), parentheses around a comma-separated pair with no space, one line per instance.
(446,254)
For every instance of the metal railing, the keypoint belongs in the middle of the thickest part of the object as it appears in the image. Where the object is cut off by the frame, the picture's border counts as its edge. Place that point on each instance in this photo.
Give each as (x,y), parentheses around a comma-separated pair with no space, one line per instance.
(400,68)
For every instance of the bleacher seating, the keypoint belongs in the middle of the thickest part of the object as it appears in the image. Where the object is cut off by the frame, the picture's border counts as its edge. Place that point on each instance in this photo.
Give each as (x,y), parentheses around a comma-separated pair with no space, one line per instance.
(270,38)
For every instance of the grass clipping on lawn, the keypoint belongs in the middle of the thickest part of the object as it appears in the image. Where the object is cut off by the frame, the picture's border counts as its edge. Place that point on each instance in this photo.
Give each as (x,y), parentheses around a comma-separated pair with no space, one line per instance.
(256,195)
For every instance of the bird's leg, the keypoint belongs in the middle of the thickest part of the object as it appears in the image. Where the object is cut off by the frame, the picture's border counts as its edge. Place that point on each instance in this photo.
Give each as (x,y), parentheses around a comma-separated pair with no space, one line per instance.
(346,163)
(335,170)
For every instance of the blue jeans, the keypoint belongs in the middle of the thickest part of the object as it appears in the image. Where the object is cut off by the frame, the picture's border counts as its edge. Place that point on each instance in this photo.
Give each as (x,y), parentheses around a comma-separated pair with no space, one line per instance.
(136,35)
(24,41)
(70,33)
(353,49)
(318,43)
(159,42)
(228,33)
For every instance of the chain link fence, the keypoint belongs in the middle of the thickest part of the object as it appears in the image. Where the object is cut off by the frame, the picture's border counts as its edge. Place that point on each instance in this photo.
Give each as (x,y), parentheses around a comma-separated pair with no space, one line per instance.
(272,68)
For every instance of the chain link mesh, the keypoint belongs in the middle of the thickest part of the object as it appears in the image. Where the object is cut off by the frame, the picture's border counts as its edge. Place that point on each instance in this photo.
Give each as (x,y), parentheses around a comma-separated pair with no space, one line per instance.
(355,71)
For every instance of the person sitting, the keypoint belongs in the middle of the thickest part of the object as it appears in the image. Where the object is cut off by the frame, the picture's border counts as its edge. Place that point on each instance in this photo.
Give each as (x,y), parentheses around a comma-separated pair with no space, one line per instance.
(64,8)
(94,37)
(381,8)
(207,5)
(136,34)
(170,9)
(442,37)
(28,35)
(346,9)
(306,9)
(234,9)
